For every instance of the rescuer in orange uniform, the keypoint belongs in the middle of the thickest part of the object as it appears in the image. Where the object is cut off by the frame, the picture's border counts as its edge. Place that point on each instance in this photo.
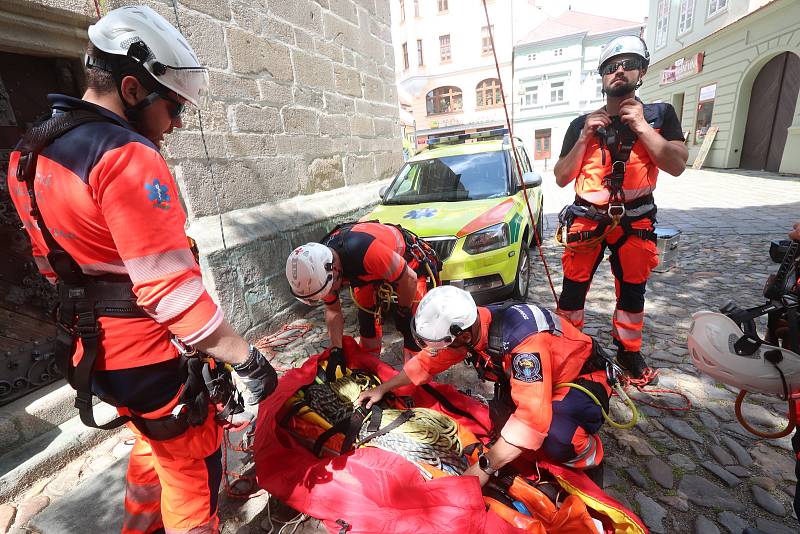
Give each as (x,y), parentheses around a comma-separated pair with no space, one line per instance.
(369,257)
(614,155)
(102,211)
(526,351)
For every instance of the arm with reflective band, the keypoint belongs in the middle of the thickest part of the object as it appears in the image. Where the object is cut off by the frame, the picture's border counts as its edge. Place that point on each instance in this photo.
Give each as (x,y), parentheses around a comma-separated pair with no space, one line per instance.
(532,393)
(138,198)
(19,196)
(383,263)
(424,366)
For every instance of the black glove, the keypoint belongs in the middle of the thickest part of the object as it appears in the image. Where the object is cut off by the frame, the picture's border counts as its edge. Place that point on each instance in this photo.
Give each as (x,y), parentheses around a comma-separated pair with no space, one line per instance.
(258,375)
(335,360)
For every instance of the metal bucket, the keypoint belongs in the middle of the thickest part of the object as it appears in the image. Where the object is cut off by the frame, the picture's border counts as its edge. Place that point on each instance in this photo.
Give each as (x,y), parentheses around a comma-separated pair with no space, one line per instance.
(667,243)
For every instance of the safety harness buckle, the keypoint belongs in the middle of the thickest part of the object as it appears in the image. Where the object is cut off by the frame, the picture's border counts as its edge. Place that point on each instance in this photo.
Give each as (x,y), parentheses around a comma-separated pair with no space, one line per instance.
(618,168)
(616,210)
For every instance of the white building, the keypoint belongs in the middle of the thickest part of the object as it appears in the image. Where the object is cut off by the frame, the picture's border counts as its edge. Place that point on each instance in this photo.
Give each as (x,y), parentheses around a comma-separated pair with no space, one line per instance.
(555,77)
(445,63)
(733,65)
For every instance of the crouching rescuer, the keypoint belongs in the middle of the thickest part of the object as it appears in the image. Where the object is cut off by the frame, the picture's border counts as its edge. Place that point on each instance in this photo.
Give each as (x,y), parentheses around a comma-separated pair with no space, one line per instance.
(614,155)
(387,269)
(136,325)
(551,380)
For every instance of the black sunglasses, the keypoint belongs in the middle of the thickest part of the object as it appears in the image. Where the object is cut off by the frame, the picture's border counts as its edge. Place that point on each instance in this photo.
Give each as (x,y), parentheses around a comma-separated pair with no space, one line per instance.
(176,109)
(626,64)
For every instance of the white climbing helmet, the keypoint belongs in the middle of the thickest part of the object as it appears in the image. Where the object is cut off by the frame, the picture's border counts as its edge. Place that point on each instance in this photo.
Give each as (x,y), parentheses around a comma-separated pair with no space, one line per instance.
(443,314)
(711,347)
(165,54)
(627,44)
(309,269)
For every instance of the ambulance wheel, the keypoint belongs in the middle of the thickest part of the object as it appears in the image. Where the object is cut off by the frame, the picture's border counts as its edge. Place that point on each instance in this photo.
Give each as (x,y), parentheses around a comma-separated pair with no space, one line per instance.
(523,279)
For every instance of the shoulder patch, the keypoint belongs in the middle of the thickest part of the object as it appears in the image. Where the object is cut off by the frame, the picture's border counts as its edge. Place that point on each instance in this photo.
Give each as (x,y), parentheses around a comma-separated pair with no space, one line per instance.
(527,367)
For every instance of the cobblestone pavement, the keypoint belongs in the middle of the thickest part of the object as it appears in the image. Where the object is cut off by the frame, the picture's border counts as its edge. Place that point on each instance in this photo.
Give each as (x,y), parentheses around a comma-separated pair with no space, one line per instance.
(693,471)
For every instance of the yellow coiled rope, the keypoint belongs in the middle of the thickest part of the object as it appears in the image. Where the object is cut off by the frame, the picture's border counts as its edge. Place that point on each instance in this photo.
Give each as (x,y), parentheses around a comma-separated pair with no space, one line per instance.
(622,395)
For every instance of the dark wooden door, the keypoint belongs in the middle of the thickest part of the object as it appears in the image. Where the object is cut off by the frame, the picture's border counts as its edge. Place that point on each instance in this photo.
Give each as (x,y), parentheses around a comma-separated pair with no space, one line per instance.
(772,104)
(26,298)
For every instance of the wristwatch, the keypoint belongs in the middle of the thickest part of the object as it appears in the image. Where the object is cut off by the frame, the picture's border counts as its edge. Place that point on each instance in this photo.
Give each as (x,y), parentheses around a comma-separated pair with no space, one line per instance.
(485,465)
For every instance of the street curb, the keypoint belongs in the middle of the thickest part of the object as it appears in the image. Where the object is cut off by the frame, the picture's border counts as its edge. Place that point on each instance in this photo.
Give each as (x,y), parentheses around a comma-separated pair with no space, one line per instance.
(55,448)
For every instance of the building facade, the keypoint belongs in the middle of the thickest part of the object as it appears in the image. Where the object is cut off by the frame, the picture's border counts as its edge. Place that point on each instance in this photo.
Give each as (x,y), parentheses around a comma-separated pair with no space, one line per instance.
(444,60)
(730,67)
(301,125)
(556,79)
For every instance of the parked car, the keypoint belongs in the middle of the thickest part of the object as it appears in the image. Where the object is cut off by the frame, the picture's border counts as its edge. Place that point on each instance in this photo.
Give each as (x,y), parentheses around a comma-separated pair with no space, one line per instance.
(462,195)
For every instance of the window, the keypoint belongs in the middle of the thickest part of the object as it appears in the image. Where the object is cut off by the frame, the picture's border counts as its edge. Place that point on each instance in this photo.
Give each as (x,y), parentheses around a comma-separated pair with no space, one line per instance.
(662,23)
(598,90)
(530,95)
(444,100)
(402,11)
(558,52)
(419,52)
(487,93)
(531,57)
(486,39)
(541,147)
(685,16)
(705,110)
(405,56)
(716,6)
(444,48)
(442,6)
(557,91)
(416,8)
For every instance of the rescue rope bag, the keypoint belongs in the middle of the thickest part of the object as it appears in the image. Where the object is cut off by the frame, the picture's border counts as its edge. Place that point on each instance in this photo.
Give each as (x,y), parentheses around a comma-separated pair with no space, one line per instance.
(83,299)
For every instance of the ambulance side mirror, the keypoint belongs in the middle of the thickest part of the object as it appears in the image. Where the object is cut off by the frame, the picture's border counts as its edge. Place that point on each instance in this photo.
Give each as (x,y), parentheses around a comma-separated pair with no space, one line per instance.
(382,191)
(531,179)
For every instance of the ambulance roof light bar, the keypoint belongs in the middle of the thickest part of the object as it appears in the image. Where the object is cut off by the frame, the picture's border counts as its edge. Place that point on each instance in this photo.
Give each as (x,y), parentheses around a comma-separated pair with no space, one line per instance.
(452,139)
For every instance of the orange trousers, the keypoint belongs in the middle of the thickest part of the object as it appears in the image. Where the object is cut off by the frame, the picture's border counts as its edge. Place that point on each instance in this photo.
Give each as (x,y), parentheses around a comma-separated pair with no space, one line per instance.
(172,485)
(632,260)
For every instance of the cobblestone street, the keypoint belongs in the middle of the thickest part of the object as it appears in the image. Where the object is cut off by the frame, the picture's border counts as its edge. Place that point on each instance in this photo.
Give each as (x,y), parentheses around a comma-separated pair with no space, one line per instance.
(694,471)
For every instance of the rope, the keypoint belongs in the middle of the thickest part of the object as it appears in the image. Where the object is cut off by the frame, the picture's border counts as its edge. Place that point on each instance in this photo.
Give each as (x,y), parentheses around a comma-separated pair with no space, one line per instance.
(271,343)
(790,425)
(294,522)
(247,447)
(622,395)
(386,296)
(640,386)
(561,236)
(516,160)
(97,9)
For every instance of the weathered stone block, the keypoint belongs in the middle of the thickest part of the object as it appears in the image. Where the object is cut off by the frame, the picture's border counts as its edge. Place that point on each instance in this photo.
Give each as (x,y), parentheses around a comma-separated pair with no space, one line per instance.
(214,116)
(390,94)
(308,147)
(334,125)
(274,93)
(349,57)
(369,5)
(324,174)
(377,109)
(307,97)
(219,9)
(383,11)
(276,29)
(387,164)
(231,86)
(344,145)
(189,144)
(251,118)
(373,47)
(359,169)
(303,13)
(380,30)
(251,54)
(300,120)
(340,31)
(207,39)
(373,88)
(329,49)
(366,66)
(231,187)
(335,103)
(228,287)
(384,127)
(312,70)
(361,126)
(348,80)
(303,40)
(345,9)
(250,145)
(276,178)
(246,17)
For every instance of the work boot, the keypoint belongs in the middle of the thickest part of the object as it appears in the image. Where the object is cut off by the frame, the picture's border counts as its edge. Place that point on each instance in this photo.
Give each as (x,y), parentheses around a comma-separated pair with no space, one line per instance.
(634,363)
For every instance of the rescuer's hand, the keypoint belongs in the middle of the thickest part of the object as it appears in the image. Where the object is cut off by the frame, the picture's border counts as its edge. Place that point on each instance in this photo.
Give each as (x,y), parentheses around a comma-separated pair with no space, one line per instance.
(371,396)
(594,120)
(631,112)
(257,375)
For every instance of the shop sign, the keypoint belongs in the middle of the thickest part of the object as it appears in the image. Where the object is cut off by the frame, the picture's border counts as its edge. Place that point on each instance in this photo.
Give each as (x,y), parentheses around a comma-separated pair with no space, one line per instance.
(682,68)
(707,93)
